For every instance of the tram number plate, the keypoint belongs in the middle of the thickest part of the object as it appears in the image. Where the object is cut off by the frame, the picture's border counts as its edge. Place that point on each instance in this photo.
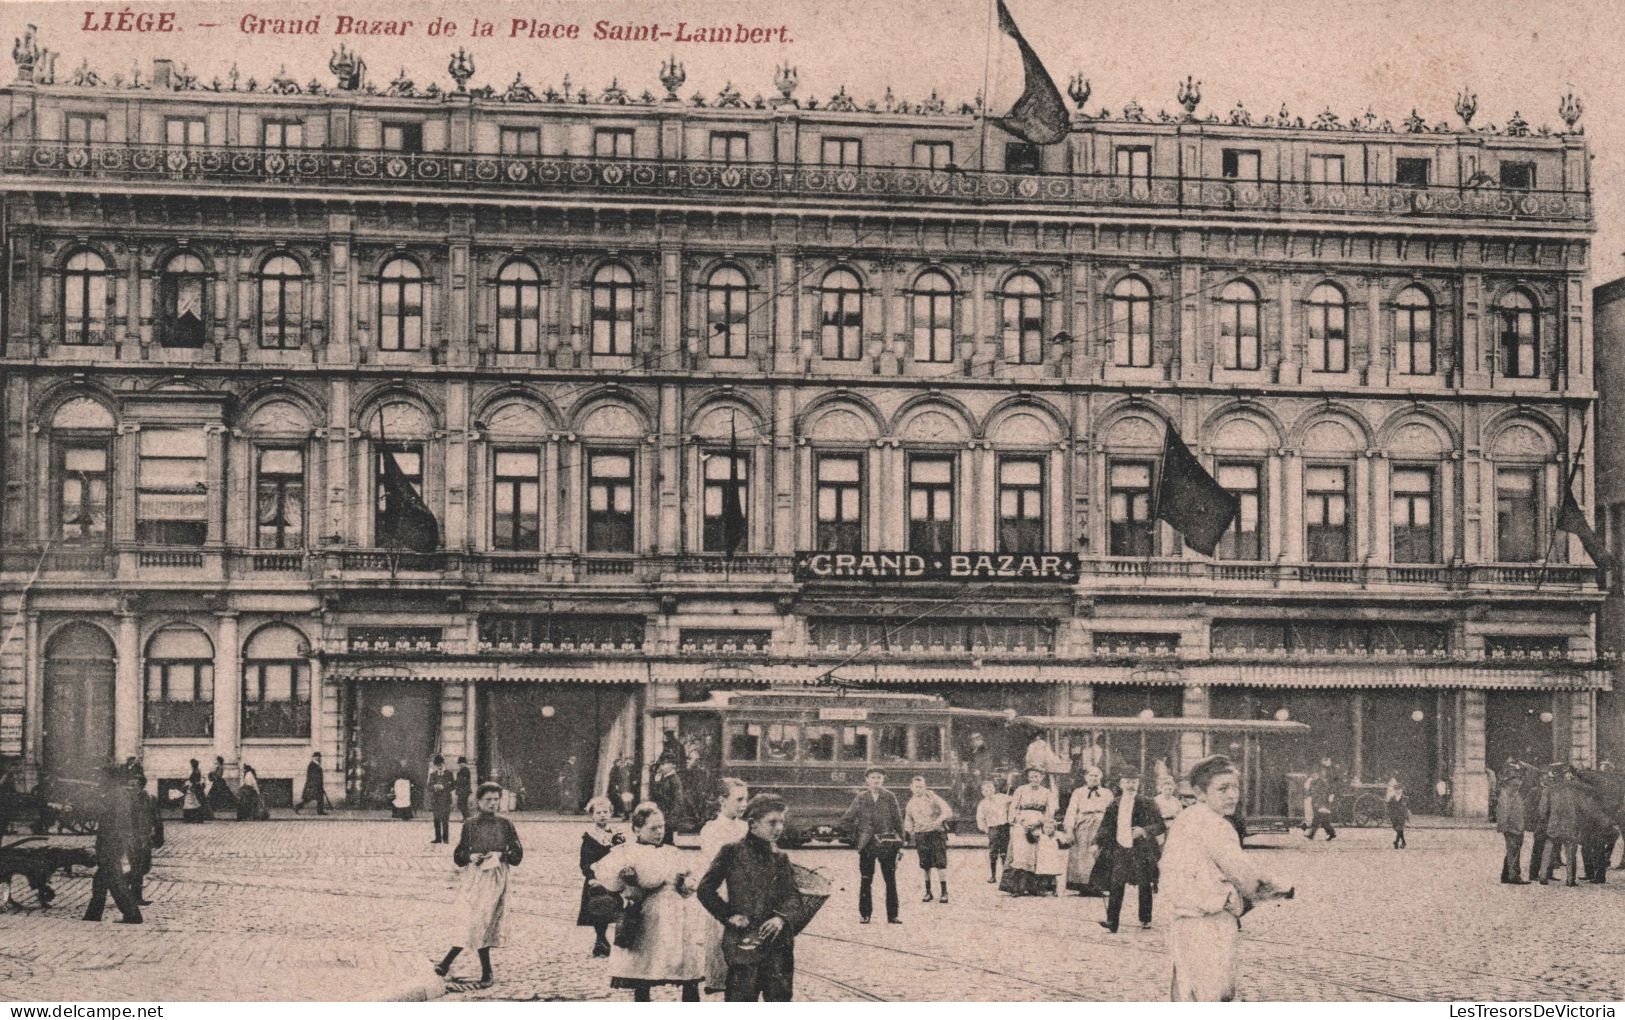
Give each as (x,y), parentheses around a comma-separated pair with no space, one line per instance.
(843,714)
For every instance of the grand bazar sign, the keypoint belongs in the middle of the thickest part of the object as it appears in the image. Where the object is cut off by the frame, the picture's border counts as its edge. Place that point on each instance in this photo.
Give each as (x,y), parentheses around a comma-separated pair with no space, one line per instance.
(1050,568)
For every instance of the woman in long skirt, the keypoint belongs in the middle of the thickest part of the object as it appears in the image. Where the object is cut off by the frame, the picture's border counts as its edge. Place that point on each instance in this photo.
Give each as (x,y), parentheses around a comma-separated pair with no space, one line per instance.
(727,827)
(487,847)
(1208,883)
(1029,806)
(250,805)
(1083,812)
(657,942)
(195,805)
(221,798)
(596,843)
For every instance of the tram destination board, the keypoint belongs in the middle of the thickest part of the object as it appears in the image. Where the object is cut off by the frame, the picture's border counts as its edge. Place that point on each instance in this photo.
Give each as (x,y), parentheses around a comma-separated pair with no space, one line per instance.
(1031,568)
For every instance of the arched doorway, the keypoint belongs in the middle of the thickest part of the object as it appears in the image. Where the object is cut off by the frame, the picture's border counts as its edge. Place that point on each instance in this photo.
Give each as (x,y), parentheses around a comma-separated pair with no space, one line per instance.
(78,734)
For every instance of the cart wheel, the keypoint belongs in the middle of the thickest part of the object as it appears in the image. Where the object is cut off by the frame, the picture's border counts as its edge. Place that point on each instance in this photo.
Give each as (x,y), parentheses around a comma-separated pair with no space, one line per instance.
(1368,810)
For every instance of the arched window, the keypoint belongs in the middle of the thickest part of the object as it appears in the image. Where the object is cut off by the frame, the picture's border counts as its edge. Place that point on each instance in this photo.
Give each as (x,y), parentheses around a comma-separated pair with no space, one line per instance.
(84,300)
(1022,319)
(400,306)
(1520,336)
(180,684)
(519,298)
(612,310)
(1238,326)
(933,317)
(1328,330)
(81,472)
(1413,332)
(841,316)
(181,289)
(276,684)
(726,309)
(1131,323)
(281,302)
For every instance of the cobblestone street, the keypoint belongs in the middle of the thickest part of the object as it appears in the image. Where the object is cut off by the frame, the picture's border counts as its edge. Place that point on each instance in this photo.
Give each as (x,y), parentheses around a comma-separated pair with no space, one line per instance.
(356,910)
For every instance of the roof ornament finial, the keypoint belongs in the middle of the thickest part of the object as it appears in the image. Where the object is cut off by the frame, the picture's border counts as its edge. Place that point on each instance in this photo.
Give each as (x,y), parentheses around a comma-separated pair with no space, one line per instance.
(1078,90)
(672,76)
(461,69)
(1466,106)
(346,65)
(785,79)
(1570,108)
(1189,96)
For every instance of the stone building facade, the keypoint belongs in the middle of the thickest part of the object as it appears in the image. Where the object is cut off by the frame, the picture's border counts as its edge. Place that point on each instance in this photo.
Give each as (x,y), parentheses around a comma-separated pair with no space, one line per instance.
(565,313)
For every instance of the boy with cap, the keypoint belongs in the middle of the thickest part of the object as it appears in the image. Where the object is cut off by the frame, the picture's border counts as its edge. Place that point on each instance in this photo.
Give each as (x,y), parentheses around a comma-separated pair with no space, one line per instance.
(758,941)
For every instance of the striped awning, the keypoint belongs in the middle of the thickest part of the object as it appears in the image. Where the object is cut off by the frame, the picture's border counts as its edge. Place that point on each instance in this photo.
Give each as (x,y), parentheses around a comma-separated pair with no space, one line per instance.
(630,672)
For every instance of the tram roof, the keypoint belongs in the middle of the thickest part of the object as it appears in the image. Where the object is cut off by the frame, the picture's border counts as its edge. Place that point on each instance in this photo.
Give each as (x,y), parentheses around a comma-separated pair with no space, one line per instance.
(811,697)
(1184,724)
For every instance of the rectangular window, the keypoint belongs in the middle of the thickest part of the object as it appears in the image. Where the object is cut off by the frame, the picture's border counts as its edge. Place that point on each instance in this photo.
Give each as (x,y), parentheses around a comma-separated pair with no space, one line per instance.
(399,137)
(279,498)
(81,492)
(1520,176)
(1132,530)
(1416,536)
(841,152)
(516,500)
(1245,539)
(1134,163)
(744,741)
(840,503)
(185,132)
(1021,505)
(613,143)
(179,698)
(282,134)
(1241,165)
(855,742)
(730,147)
(409,458)
(930,504)
(172,498)
(1412,173)
(276,699)
(722,470)
(781,741)
(818,742)
(609,502)
(934,155)
(891,744)
(85,128)
(928,743)
(1328,522)
(1326,170)
(519,141)
(1020,158)
(1517,515)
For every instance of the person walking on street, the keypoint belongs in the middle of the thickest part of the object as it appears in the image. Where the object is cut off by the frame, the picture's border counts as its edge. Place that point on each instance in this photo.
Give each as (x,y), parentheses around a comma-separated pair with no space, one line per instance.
(315,790)
(486,848)
(439,786)
(463,787)
(1208,883)
(875,823)
(993,818)
(195,804)
(1321,797)
(221,799)
(925,821)
(758,943)
(1399,811)
(1509,820)
(401,800)
(146,829)
(250,804)
(1128,850)
(114,840)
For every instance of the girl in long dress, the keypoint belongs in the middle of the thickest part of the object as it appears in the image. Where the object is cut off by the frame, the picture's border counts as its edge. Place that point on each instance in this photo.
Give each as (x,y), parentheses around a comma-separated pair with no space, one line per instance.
(729,826)
(1083,813)
(657,943)
(1029,806)
(596,843)
(487,847)
(250,805)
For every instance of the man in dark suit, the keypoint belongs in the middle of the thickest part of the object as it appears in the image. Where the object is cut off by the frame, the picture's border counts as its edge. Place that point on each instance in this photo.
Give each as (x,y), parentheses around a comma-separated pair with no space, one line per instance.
(114,839)
(464,787)
(875,823)
(439,788)
(315,789)
(759,943)
(1128,849)
(146,830)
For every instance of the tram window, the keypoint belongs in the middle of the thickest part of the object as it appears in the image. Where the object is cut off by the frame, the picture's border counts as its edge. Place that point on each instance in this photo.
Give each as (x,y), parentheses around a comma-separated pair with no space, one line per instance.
(744,741)
(928,743)
(855,743)
(781,741)
(819,743)
(893,744)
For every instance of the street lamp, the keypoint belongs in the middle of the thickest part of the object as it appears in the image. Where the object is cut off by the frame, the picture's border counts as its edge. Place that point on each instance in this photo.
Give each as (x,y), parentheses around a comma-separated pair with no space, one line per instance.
(1282,715)
(1546,717)
(548,711)
(1418,715)
(388,711)
(1146,713)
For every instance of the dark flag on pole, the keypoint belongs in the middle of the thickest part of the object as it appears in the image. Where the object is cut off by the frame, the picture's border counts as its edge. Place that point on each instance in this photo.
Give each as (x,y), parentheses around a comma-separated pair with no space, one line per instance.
(1190,499)
(733,509)
(1039,116)
(1572,519)
(406,522)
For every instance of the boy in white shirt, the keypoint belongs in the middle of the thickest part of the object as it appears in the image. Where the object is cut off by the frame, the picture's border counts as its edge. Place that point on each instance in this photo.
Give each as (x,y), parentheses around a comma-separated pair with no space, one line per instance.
(993,818)
(925,820)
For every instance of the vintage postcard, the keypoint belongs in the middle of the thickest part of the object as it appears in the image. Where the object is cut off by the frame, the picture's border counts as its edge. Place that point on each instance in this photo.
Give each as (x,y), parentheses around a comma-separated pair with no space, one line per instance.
(1002,500)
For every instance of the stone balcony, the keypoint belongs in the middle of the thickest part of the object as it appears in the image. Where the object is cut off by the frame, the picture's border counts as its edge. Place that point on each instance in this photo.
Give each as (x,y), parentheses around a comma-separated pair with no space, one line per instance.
(200,169)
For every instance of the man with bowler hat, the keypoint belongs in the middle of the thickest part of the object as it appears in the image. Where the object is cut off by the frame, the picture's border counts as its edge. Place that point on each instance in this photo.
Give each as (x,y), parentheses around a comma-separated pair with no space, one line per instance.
(1128,839)
(315,790)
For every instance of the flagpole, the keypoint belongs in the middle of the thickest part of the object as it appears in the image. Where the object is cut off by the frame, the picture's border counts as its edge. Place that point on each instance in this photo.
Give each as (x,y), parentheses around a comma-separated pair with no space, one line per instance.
(1568,487)
(987,64)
